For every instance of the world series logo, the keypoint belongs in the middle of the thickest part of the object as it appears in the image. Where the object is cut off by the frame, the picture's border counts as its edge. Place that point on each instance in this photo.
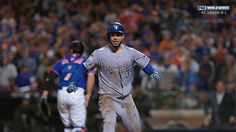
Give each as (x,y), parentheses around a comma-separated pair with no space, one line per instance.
(213,10)
(201,8)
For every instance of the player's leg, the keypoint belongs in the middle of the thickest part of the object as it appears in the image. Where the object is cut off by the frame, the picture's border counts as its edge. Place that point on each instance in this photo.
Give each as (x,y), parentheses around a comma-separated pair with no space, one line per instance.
(129,115)
(77,110)
(108,113)
(63,109)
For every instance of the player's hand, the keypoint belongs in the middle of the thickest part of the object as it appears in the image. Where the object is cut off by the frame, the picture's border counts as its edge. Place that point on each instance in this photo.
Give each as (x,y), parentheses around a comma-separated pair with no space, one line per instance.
(71,88)
(156,76)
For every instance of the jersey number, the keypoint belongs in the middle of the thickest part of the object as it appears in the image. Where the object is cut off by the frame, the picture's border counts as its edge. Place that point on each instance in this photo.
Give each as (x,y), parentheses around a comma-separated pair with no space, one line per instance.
(67,77)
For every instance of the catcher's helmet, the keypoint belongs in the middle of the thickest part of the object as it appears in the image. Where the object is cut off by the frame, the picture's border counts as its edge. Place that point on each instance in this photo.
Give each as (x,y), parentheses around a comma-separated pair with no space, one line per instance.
(77,46)
(115,27)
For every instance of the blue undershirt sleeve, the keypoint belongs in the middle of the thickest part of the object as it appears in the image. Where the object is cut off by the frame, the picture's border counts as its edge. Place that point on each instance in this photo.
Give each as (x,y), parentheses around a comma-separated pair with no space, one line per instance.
(148,69)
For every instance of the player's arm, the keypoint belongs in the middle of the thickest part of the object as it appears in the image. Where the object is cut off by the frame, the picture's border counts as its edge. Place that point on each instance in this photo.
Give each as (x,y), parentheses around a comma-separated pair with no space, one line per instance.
(149,70)
(89,88)
(143,61)
(49,83)
(44,108)
(92,62)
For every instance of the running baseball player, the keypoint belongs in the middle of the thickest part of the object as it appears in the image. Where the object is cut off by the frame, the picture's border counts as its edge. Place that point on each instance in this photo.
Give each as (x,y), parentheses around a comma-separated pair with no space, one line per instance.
(74,79)
(114,63)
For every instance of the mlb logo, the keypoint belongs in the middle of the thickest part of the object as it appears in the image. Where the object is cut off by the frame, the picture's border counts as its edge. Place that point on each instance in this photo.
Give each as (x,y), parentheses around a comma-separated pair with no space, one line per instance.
(201,8)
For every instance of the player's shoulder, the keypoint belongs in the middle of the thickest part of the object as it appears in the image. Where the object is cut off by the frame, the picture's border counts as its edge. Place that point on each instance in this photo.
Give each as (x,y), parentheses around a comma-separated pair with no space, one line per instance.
(61,59)
(129,47)
(126,46)
(102,49)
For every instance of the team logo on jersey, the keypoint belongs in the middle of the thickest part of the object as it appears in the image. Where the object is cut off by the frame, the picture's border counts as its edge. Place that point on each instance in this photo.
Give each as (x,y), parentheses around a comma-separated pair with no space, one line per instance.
(69,67)
(109,70)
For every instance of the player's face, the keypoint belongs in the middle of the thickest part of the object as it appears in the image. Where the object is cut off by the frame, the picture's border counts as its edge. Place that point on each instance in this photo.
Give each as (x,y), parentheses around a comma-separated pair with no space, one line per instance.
(116,39)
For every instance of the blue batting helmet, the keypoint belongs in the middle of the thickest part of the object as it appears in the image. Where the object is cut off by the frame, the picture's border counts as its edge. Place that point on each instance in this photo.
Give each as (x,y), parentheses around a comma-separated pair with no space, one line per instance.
(115,27)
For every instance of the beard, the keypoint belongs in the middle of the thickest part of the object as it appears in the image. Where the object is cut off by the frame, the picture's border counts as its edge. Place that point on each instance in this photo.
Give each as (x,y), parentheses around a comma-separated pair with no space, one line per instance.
(116,44)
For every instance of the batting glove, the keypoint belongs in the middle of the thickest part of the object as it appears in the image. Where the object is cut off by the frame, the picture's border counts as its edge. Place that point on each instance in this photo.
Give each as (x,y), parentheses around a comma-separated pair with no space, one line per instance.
(156,76)
(71,88)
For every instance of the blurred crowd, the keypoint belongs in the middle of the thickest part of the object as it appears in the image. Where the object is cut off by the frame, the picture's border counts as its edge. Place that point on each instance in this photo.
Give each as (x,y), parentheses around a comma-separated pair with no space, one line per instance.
(192,51)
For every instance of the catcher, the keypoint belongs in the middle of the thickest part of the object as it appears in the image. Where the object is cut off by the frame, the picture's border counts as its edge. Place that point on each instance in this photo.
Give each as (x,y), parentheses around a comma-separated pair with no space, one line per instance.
(73,82)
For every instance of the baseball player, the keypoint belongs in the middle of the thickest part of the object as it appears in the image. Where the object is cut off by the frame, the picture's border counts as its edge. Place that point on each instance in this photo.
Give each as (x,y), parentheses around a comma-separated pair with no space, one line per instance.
(74,79)
(114,63)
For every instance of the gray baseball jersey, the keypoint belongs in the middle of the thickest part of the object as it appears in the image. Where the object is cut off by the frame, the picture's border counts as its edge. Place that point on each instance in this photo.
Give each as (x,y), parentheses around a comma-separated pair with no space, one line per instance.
(115,69)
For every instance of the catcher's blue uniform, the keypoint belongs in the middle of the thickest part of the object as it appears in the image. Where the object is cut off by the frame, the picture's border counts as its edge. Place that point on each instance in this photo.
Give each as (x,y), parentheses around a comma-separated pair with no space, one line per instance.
(71,105)
(70,69)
